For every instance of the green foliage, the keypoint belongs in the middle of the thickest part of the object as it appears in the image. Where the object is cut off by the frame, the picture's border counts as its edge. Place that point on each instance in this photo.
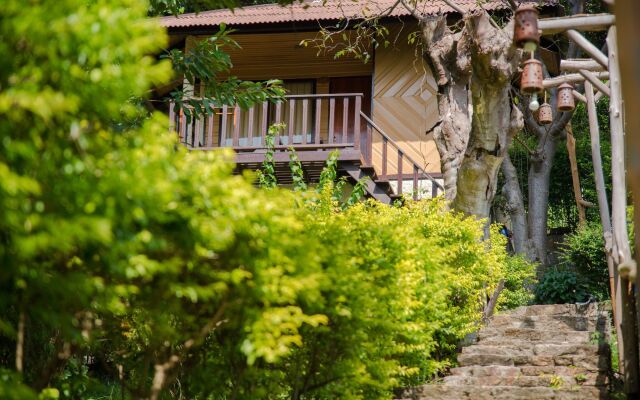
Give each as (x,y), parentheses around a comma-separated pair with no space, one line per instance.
(120,246)
(584,251)
(267,174)
(560,286)
(520,278)
(297,173)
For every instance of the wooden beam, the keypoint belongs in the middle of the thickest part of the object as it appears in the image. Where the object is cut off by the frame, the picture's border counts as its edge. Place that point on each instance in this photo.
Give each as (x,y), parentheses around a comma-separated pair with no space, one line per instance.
(570,78)
(591,22)
(588,47)
(574,65)
(588,75)
(575,177)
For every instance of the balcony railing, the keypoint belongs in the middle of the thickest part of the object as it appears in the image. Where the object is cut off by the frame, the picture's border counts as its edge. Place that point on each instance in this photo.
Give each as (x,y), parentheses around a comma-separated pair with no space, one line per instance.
(322,120)
(311,123)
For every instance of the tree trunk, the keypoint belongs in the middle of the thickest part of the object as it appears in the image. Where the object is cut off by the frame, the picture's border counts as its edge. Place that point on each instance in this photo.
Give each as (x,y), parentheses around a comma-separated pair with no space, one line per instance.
(472,144)
(539,180)
(515,207)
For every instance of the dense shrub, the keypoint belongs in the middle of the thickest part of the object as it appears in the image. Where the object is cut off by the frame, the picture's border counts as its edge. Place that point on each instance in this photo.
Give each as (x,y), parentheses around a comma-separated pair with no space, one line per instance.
(520,278)
(559,286)
(584,251)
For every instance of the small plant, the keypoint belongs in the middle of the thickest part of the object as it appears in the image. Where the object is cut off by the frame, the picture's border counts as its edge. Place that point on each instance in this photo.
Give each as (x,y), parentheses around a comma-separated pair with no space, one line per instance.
(267,175)
(596,337)
(581,378)
(297,173)
(559,286)
(556,382)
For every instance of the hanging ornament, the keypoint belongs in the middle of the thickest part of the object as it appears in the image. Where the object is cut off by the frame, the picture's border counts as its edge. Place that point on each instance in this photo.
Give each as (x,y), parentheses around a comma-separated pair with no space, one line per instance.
(545,115)
(525,32)
(531,80)
(534,105)
(565,98)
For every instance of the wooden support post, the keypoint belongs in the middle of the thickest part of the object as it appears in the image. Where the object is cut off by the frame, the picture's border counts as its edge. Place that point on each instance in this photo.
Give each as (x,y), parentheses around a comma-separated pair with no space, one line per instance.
(332,116)
(250,126)
(628,32)
(345,119)
(588,75)
(588,47)
(575,178)
(415,182)
(603,202)
(593,22)
(621,250)
(292,121)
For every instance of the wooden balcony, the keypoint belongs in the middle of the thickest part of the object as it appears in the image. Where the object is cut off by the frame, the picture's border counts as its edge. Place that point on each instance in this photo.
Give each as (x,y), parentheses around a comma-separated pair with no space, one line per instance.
(313,125)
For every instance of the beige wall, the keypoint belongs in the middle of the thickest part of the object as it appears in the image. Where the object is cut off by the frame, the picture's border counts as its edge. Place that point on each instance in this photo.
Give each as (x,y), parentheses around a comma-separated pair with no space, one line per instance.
(404,103)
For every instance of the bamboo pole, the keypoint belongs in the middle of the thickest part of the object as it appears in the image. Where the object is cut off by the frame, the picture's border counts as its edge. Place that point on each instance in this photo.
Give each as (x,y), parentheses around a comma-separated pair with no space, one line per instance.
(576,64)
(593,22)
(621,250)
(603,202)
(588,75)
(588,47)
(575,178)
(627,12)
(571,78)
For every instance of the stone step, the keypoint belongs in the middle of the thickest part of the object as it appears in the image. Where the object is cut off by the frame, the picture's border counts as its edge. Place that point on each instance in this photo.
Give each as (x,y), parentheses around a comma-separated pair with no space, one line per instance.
(446,392)
(546,380)
(540,349)
(525,370)
(589,362)
(547,323)
(491,335)
(589,310)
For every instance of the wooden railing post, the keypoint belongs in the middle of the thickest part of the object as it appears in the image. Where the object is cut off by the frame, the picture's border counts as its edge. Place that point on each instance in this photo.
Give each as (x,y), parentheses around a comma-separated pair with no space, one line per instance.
(400,162)
(292,120)
(278,120)
(236,127)
(263,126)
(223,126)
(183,127)
(250,126)
(305,119)
(172,116)
(356,122)
(318,111)
(385,145)
(415,182)
(332,116)
(345,118)
(210,123)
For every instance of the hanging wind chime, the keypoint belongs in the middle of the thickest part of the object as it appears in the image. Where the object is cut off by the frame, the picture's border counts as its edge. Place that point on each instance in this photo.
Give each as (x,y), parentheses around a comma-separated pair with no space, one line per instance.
(527,36)
(545,114)
(565,98)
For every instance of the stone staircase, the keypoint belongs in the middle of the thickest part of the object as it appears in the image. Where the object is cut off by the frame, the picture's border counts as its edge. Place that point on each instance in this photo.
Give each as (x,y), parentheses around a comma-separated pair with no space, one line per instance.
(534,352)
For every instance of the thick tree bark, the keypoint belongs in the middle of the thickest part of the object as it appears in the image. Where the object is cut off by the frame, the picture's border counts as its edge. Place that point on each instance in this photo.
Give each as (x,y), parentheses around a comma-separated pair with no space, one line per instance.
(472,143)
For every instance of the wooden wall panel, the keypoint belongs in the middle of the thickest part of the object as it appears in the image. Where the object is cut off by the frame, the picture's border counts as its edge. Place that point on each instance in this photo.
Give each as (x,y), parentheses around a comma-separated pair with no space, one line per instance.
(404,103)
(279,56)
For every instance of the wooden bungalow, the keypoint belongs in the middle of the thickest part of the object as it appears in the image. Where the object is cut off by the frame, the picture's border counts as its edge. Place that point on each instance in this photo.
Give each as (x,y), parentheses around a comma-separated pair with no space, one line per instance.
(378,114)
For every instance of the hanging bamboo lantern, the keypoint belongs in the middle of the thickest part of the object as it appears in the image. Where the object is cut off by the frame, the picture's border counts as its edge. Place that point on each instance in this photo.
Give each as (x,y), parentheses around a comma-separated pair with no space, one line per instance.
(526,27)
(531,81)
(545,116)
(565,98)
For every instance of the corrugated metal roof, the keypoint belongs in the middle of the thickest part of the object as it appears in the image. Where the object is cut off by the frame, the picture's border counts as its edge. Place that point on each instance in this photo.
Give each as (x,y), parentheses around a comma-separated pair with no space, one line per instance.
(319,11)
